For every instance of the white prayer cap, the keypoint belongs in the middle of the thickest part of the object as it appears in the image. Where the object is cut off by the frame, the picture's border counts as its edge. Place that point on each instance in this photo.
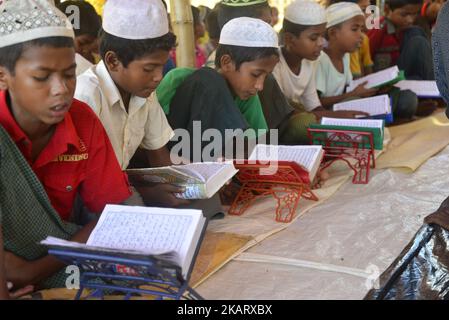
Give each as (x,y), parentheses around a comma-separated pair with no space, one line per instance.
(26,20)
(305,12)
(135,19)
(249,32)
(341,12)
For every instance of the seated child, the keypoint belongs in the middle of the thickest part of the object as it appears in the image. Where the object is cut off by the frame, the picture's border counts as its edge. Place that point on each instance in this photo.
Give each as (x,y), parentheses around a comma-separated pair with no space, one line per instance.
(303,34)
(399,42)
(53,147)
(225,98)
(86,32)
(360,60)
(134,47)
(345,21)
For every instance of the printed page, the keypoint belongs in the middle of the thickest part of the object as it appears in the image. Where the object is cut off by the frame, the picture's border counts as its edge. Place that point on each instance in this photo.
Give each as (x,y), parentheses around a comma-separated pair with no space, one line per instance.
(365,123)
(147,230)
(303,155)
(165,175)
(375,79)
(422,88)
(373,106)
(205,170)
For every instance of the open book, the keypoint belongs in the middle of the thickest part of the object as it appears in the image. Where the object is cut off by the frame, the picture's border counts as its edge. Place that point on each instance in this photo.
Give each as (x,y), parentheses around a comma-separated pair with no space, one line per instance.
(385,77)
(376,127)
(201,180)
(378,107)
(168,234)
(422,88)
(307,157)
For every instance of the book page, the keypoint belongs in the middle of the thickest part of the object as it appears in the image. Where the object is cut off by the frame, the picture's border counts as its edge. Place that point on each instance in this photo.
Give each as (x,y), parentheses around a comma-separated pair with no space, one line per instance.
(303,155)
(374,106)
(205,170)
(364,123)
(376,79)
(422,88)
(165,175)
(146,230)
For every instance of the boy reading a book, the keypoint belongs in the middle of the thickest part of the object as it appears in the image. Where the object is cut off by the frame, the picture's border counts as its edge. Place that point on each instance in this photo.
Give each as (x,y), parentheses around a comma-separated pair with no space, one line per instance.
(246,54)
(360,60)
(399,42)
(276,109)
(134,47)
(53,147)
(303,34)
(345,22)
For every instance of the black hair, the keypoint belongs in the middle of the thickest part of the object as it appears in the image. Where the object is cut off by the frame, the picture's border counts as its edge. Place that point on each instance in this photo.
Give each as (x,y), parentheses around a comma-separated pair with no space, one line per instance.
(212,26)
(293,28)
(196,16)
(396,4)
(129,50)
(89,20)
(11,54)
(227,13)
(243,54)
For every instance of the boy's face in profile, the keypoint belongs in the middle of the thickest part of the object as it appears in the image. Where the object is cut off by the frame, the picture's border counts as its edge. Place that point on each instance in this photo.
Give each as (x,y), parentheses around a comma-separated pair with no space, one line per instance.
(42,86)
(403,17)
(141,76)
(349,34)
(249,79)
(308,44)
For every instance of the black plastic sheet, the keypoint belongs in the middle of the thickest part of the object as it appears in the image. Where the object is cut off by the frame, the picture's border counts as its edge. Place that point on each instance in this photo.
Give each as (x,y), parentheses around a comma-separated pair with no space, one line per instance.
(421,272)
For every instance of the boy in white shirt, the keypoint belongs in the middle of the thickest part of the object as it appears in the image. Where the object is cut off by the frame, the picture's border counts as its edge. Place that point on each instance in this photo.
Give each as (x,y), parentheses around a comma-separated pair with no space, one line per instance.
(134,47)
(303,34)
(345,22)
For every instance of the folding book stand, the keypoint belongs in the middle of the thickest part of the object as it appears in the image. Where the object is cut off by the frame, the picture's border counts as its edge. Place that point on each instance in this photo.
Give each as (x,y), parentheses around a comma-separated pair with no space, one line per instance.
(110,274)
(287,185)
(347,145)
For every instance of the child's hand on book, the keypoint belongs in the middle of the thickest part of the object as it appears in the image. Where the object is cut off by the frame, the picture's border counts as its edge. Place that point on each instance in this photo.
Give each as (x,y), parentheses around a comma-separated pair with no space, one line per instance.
(362,92)
(162,194)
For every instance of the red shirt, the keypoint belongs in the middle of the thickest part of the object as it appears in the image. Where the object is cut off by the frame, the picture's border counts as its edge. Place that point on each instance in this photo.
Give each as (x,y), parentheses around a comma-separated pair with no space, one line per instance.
(78,159)
(385,45)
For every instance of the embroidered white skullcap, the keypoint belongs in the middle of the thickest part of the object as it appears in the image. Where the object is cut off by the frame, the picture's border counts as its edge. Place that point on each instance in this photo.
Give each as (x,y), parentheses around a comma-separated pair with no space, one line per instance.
(305,12)
(249,32)
(26,20)
(135,19)
(341,12)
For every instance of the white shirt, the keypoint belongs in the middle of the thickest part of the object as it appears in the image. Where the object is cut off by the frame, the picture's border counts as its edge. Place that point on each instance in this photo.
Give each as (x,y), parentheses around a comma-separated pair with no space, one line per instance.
(329,81)
(82,64)
(144,124)
(298,88)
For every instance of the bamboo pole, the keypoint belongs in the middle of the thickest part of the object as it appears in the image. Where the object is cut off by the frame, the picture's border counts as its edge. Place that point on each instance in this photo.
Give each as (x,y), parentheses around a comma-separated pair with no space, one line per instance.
(182,23)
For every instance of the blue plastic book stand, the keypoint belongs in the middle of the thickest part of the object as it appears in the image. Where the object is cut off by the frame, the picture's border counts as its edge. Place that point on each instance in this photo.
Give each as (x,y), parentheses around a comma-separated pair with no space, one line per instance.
(110,275)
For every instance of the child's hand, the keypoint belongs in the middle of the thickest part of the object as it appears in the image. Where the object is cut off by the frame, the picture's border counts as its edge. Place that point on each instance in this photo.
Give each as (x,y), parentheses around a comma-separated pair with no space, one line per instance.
(362,92)
(163,194)
(20,292)
(18,271)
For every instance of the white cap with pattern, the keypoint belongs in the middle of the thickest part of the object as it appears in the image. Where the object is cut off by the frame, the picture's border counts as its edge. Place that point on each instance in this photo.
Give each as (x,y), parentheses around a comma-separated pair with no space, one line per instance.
(135,19)
(305,12)
(249,32)
(26,20)
(341,12)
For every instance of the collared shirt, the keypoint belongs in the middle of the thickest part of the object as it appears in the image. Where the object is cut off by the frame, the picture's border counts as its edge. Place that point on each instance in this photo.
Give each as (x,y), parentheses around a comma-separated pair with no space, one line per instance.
(299,88)
(385,45)
(144,125)
(77,159)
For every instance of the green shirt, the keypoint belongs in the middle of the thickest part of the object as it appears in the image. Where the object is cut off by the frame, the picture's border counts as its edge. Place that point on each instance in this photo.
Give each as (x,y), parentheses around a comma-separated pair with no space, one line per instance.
(250,108)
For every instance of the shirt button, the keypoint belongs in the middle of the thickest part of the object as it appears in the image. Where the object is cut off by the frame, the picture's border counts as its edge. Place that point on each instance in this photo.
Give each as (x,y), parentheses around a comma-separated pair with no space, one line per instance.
(69,188)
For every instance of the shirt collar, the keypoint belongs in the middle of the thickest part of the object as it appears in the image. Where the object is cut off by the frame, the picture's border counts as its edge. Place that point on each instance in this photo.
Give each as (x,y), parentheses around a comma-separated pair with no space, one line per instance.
(110,89)
(391,29)
(65,133)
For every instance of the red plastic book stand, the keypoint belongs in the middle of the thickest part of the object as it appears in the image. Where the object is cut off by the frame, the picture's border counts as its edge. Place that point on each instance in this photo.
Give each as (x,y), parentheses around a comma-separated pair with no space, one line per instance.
(287,185)
(347,146)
